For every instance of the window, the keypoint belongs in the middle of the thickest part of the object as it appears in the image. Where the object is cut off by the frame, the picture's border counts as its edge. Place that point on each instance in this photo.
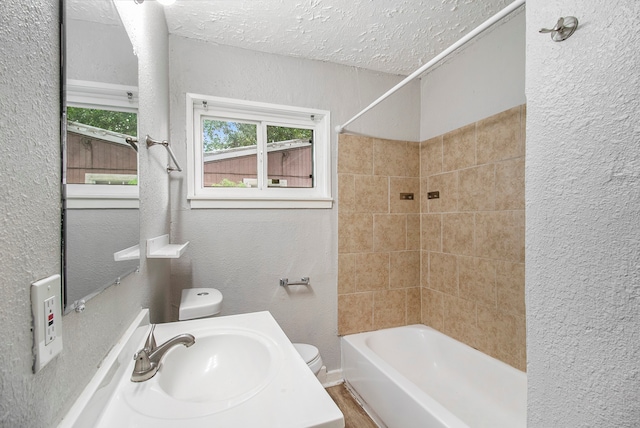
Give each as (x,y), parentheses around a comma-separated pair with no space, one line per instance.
(254,155)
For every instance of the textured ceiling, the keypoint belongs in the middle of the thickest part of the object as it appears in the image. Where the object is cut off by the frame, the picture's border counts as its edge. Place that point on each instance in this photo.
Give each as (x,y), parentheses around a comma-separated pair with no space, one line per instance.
(390,36)
(383,35)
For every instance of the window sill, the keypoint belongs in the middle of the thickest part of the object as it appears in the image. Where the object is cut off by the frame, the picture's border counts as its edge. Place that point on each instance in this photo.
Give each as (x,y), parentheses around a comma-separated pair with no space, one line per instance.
(209,203)
(96,196)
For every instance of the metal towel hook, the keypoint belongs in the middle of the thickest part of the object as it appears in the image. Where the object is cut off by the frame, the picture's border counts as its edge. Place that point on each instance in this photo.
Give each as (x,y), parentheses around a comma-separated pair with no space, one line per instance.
(564,28)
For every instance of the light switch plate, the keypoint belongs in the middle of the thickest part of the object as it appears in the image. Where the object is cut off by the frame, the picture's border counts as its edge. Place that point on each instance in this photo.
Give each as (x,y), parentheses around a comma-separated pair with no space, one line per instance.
(47,320)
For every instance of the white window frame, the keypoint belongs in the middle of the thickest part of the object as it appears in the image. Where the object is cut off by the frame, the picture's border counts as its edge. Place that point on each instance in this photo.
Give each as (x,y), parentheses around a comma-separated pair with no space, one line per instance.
(203,106)
(102,96)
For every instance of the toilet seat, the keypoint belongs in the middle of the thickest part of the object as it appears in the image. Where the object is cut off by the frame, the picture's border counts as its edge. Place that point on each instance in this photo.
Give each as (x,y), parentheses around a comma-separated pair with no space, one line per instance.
(310,355)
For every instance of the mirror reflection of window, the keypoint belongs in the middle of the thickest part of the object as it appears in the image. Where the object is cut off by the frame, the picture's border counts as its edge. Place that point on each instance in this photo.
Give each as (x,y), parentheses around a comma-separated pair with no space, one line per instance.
(97,151)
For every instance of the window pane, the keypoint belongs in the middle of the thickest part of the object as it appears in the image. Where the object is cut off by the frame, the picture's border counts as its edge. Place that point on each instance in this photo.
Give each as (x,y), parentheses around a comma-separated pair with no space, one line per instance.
(290,161)
(230,154)
(97,152)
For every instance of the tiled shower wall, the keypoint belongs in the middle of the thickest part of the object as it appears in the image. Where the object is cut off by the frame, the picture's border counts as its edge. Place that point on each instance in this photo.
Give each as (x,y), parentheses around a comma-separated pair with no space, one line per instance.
(473,235)
(470,266)
(378,234)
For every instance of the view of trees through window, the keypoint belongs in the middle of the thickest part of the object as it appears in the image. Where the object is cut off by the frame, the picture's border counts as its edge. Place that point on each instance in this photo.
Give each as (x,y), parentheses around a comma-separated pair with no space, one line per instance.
(221,135)
(230,155)
(116,121)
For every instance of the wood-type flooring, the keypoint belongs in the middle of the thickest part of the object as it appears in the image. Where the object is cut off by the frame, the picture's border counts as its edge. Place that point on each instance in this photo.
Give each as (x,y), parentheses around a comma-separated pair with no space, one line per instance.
(354,415)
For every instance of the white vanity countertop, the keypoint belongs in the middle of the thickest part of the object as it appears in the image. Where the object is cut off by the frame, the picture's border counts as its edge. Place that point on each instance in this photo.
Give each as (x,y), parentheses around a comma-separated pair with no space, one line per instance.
(290,397)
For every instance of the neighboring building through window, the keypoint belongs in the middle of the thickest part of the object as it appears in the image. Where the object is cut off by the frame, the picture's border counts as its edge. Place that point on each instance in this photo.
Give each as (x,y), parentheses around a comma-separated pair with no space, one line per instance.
(246,154)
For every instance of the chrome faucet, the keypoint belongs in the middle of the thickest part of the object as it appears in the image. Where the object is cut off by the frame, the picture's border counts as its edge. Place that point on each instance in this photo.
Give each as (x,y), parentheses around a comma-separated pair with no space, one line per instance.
(148,358)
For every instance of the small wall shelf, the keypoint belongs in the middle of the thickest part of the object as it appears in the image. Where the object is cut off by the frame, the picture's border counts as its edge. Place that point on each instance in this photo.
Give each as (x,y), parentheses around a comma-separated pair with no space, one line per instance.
(131,253)
(159,248)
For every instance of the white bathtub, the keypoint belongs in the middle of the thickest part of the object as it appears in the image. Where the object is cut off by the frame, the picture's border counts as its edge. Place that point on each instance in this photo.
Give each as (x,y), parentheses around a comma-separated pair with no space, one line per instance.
(415,376)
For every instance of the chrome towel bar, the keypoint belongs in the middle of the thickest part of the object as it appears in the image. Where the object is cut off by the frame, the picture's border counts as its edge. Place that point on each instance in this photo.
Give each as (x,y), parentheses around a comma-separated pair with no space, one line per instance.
(284,282)
(165,143)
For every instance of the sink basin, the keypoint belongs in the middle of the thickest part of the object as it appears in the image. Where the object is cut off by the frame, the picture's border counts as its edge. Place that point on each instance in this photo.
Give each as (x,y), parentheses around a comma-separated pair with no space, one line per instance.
(208,370)
(242,371)
(222,369)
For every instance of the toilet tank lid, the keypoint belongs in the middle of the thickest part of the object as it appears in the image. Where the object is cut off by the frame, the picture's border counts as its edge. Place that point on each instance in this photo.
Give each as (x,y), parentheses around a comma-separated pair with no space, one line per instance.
(306,351)
(199,303)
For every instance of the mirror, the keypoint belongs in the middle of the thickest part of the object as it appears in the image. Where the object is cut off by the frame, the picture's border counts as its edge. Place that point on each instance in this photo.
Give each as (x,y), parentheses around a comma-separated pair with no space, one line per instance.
(100,214)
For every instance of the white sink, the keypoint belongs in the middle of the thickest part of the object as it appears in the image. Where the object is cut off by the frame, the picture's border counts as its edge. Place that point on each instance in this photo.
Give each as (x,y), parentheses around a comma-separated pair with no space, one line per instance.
(226,366)
(242,371)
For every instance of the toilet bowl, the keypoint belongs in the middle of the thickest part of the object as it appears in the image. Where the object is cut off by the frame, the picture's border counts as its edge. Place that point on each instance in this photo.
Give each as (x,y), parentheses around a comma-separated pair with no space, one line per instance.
(310,355)
(199,303)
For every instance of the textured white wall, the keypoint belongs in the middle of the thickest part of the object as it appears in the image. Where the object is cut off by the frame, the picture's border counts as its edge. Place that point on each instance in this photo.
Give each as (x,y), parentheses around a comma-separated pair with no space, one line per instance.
(147,30)
(583,216)
(30,169)
(243,253)
(483,78)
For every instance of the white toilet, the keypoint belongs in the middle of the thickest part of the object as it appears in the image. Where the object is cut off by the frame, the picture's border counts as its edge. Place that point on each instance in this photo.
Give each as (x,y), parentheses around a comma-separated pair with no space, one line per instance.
(207,302)
(310,355)
(199,303)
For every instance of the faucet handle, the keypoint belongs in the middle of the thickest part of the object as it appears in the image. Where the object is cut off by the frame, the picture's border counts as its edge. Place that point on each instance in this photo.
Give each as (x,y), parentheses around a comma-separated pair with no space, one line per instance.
(143,363)
(150,344)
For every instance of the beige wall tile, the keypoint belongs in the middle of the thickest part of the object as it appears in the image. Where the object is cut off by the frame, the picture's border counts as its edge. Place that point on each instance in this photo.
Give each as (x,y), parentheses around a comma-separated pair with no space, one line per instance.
(510,184)
(362,232)
(372,271)
(431,232)
(521,343)
(355,313)
(447,185)
(431,157)
(389,232)
(477,280)
(459,148)
(499,137)
(346,273)
(443,273)
(371,194)
(460,320)
(389,308)
(413,159)
(424,269)
(414,306)
(433,309)
(510,287)
(346,193)
(404,185)
(344,232)
(476,188)
(395,158)
(413,231)
(500,235)
(404,269)
(355,154)
(424,202)
(498,335)
(355,232)
(458,233)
